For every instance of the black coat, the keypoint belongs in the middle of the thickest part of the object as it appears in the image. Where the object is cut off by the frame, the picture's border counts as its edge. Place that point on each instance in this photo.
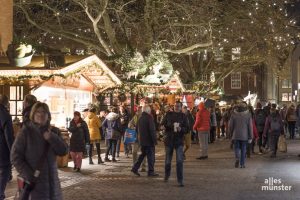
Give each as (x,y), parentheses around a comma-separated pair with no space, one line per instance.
(80,136)
(146,130)
(6,136)
(175,138)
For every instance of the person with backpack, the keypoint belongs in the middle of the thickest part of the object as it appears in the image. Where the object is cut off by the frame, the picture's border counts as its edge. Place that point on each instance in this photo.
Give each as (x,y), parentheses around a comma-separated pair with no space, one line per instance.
(273,128)
(260,120)
(112,126)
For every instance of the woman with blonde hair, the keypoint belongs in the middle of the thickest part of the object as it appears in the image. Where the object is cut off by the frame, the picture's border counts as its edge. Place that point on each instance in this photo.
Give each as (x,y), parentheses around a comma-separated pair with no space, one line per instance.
(34,154)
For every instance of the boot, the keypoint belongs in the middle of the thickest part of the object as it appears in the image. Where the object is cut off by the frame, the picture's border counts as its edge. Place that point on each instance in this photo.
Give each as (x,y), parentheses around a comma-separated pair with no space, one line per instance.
(91,155)
(91,161)
(100,160)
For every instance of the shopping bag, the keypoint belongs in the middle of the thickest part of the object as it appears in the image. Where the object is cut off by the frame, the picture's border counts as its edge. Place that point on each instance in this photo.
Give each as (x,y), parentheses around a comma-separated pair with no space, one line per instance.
(130,136)
(282,146)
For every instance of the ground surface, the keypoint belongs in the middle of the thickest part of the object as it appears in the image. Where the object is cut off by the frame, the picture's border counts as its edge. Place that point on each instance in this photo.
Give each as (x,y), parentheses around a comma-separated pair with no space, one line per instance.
(215,178)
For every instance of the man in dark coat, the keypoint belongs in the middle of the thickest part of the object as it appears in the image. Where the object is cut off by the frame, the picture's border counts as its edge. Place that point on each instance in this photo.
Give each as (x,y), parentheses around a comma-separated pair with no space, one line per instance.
(6,141)
(176,125)
(147,139)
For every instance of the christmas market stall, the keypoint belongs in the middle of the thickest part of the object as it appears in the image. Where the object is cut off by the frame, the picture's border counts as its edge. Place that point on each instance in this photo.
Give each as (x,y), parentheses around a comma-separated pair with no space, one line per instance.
(65,88)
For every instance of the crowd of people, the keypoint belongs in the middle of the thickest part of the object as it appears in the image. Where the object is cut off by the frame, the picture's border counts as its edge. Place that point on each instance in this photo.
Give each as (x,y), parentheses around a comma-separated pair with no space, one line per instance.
(33,152)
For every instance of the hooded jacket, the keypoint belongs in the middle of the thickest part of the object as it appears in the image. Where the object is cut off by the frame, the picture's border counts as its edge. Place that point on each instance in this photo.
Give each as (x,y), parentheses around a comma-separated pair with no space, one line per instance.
(26,152)
(112,121)
(80,136)
(94,125)
(202,119)
(240,124)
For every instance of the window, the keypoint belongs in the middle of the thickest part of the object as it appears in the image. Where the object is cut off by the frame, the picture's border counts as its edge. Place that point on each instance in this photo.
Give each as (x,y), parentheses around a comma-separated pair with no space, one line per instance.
(286,83)
(16,101)
(236,80)
(204,77)
(286,97)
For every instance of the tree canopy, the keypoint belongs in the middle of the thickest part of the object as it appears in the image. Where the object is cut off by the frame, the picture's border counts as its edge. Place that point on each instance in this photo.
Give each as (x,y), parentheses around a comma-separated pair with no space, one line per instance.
(199,36)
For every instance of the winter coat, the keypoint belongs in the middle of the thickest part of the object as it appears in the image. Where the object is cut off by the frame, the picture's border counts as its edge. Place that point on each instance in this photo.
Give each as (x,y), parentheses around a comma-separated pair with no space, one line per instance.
(6,136)
(260,119)
(125,117)
(202,119)
(273,118)
(112,121)
(26,152)
(94,124)
(175,138)
(146,130)
(80,136)
(213,119)
(291,115)
(191,120)
(240,125)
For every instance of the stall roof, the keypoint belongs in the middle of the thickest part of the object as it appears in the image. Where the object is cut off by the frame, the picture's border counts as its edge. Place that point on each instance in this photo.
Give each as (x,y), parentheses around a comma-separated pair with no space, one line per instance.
(91,68)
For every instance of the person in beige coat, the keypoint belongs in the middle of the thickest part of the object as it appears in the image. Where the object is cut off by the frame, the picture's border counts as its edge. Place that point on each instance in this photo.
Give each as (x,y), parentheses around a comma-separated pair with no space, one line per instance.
(94,126)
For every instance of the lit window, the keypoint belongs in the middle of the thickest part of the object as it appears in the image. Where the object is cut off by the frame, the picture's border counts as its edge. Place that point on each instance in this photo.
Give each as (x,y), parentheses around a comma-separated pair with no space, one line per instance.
(286,97)
(16,101)
(236,80)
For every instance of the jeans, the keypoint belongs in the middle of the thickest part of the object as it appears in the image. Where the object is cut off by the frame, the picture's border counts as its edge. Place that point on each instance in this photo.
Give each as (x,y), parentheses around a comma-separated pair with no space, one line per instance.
(148,151)
(273,143)
(291,126)
(179,161)
(203,138)
(240,148)
(111,146)
(4,177)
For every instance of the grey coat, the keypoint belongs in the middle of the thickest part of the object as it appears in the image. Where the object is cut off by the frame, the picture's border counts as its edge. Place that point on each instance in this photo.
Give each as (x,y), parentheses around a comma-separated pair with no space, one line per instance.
(26,152)
(240,125)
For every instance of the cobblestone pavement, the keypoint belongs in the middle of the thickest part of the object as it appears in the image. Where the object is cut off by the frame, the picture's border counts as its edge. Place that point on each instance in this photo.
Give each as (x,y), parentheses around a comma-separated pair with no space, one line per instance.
(215,178)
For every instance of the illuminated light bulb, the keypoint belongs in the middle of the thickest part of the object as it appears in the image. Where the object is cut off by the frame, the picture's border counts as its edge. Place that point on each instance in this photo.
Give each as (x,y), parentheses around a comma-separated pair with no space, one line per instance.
(252,22)
(250,14)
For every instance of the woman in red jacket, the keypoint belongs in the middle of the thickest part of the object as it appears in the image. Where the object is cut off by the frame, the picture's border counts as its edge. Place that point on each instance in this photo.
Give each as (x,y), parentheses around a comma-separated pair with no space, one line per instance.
(202,126)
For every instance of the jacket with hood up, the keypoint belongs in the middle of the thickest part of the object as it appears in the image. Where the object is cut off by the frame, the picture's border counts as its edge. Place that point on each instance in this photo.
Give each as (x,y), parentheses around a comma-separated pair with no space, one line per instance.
(240,124)
(202,119)
(112,121)
(94,125)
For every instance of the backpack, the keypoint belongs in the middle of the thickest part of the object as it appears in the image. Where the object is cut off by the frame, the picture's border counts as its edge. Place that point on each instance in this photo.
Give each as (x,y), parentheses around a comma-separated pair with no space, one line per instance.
(275,125)
(260,118)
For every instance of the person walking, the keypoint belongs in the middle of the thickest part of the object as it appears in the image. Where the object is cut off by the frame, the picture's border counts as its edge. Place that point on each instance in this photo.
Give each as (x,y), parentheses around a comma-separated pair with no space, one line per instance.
(79,139)
(188,135)
(273,128)
(112,127)
(176,126)
(241,128)
(291,118)
(136,145)
(218,118)
(202,125)
(35,138)
(124,117)
(260,120)
(213,125)
(94,125)
(147,139)
(6,141)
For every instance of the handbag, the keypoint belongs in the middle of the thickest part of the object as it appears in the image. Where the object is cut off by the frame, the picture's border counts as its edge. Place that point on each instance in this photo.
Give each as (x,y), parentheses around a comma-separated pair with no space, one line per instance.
(282,146)
(24,186)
